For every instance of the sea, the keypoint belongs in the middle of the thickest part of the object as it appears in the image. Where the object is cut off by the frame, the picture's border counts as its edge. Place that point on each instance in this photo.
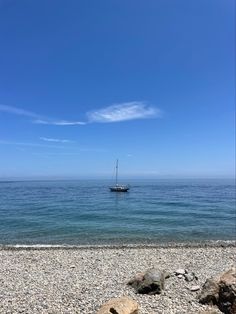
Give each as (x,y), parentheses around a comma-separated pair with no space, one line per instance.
(85,212)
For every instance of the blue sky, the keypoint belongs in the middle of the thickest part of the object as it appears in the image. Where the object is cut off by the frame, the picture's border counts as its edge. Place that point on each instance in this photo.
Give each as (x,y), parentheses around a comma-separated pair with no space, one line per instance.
(85,82)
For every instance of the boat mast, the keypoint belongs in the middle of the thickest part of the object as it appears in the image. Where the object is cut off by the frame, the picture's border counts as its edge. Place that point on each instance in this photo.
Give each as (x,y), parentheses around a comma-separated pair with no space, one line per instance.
(116,171)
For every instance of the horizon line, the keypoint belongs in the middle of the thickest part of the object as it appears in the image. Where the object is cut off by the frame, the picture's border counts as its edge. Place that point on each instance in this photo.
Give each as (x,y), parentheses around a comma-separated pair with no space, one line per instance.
(104,177)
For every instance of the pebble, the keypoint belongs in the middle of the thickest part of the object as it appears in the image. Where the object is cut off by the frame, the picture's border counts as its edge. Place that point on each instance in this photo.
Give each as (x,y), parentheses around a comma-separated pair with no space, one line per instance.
(180,271)
(190,277)
(195,288)
(43,281)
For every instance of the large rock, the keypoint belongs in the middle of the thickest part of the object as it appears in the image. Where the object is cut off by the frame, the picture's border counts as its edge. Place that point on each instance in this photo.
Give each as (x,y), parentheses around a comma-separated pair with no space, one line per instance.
(227,292)
(210,292)
(151,282)
(212,311)
(221,291)
(123,305)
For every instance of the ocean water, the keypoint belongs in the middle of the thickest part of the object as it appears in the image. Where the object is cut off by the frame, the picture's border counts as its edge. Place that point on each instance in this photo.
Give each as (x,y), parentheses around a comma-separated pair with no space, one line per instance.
(86,212)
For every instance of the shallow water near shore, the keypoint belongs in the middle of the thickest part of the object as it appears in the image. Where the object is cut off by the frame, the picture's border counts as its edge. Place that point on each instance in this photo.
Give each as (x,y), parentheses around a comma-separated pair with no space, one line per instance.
(85,212)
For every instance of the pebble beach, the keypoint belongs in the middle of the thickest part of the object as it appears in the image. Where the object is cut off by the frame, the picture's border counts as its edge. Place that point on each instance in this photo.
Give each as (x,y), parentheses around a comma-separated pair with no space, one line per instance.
(80,279)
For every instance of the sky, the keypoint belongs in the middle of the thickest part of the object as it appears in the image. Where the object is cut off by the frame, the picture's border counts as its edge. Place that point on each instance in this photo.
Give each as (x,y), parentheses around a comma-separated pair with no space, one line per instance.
(151,83)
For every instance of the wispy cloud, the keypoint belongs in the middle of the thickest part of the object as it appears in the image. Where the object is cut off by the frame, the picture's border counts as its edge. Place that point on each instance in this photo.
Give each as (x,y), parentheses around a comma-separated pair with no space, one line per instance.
(115,113)
(74,148)
(56,140)
(18,111)
(3,142)
(57,154)
(123,112)
(60,122)
(39,118)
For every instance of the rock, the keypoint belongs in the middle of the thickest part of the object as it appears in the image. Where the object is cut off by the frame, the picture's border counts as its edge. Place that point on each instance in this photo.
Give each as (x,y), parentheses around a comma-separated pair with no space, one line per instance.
(123,305)
(229,277)
(212,311)
(180,276)
(190,277)
(136,280)
(227,292)
(180,271)
(167,274)
(221,291)
(195,288)
(151,282)
(210,292)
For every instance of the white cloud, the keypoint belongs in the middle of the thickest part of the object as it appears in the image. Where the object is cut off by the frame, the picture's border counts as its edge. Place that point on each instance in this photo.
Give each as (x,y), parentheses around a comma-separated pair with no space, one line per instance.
(123,112)
(74,147)
(18,111)
(59,122)
(47,139)
(3,142)
(39,118)
(114,113)
(56,154)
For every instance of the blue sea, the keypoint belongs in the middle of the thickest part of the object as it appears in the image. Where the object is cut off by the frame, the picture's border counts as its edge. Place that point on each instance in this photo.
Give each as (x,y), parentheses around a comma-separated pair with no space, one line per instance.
(85,212)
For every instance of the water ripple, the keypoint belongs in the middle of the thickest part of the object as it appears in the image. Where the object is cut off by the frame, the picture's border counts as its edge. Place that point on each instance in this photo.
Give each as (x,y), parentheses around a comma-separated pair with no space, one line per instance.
(85,212)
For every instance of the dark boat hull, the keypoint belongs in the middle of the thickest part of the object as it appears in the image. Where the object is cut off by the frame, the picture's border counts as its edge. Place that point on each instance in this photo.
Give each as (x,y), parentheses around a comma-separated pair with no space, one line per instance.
(119,189)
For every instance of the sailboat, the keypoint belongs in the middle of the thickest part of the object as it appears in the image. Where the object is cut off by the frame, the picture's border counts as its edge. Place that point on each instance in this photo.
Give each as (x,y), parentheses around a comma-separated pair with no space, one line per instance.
(117,187)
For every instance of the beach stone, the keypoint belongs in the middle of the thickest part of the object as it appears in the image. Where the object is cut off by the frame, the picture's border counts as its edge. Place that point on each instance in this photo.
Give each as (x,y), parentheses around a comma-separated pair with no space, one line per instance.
(221,291)
(195,288)
(227,292)
(190,277)
(123,305)
(136,280)
(210,292)
(151,282)
(211,311)
(180,271)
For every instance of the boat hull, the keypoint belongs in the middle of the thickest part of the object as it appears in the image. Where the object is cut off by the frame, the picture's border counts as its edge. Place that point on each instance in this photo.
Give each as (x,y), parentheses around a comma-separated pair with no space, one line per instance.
(119,189)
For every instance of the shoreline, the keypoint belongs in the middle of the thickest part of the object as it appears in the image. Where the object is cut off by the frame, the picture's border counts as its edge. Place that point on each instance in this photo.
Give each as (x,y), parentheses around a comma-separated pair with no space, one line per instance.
(163,245)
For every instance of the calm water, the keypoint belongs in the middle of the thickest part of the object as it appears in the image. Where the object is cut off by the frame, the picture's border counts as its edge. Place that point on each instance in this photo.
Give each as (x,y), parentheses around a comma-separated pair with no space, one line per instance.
(86,212)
